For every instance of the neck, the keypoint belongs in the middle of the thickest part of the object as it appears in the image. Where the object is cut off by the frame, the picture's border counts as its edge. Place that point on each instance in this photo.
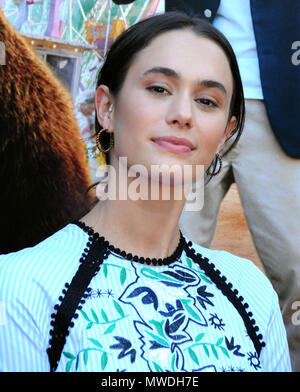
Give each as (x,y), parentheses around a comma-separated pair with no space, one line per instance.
(147,228)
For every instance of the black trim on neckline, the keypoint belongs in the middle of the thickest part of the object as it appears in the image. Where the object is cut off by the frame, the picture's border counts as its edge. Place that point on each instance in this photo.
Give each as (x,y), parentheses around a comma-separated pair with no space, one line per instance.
(128,256)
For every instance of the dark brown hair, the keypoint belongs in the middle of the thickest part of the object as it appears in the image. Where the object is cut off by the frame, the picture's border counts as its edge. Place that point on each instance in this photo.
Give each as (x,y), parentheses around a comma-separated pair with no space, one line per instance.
(124,50)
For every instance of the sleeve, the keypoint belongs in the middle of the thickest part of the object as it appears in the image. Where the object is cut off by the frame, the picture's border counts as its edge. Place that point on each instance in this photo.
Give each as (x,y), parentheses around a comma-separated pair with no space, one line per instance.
(31,281)
(275,355)
(263,300)
(22,342)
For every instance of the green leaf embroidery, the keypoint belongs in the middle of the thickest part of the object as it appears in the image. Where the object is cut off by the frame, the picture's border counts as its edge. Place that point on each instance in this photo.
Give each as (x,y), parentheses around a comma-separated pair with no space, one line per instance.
(85,356)
(219,341)
(189,262)
(104,315)
(206,351)
(159,327)
(206,280)
(118,308)
(103,360)
(110,329)
(95,342)
(68,365)
(105,270)
(199,337)
(190,310)
(90,324)
(122,276)
(224,351)
(202,275)
(69,355)
(77,363)
(157,367)
(84,315)
(214,351)
(94,315)
(161,341)
(148,273)
(193,356)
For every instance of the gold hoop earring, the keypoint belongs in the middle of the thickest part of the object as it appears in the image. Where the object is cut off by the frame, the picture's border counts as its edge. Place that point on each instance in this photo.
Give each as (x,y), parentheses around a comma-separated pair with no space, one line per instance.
(98,142)
(219,159)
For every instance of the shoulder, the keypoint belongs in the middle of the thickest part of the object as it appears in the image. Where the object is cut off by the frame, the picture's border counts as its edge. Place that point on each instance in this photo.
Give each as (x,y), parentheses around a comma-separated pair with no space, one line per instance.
(31,281)
(241,272)
(43,266)
(66,241)
(249,284)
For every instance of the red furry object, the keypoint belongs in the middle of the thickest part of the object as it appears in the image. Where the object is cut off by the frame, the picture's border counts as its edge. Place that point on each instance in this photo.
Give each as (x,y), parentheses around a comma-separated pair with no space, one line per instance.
(44,173)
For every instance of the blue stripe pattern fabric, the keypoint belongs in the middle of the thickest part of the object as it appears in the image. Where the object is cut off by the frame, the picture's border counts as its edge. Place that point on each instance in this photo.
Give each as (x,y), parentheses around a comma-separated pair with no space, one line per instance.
(136,317)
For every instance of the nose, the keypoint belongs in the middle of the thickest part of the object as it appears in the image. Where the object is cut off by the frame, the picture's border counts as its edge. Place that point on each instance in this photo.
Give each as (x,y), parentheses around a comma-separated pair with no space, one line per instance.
(180,112)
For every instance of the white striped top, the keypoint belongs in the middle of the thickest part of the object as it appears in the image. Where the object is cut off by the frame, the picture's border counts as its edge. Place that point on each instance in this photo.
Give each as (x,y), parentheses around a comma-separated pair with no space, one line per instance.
(138,317)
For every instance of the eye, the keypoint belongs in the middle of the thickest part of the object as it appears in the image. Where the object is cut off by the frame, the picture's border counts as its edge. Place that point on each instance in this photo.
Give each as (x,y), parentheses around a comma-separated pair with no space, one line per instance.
(206,102)
(158,90)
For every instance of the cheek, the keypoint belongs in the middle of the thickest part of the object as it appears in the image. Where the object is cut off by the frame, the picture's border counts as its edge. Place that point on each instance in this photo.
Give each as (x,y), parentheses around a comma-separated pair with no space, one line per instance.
(134,123)
(210,136)
(214,140)
(127,136)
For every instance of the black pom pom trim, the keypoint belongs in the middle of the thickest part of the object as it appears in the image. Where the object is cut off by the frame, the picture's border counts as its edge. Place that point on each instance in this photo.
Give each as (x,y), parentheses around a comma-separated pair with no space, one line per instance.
(128,256)
(231,294)
(74,295)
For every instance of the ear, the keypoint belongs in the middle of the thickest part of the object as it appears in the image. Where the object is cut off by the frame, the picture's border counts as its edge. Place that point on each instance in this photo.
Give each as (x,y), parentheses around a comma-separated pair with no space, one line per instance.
(229,129)
(103,102)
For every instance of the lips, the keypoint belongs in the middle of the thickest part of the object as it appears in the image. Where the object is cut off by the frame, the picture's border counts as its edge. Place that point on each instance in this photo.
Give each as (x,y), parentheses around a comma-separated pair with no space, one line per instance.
(174,144)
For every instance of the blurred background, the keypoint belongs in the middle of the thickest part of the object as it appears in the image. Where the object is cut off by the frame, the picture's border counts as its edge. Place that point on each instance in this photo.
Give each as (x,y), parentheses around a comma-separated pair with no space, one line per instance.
(72,36)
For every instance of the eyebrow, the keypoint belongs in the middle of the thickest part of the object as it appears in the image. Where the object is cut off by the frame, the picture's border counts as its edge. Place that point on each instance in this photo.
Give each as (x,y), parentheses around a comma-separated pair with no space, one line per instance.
(162,70)
(213,84)
(173,74)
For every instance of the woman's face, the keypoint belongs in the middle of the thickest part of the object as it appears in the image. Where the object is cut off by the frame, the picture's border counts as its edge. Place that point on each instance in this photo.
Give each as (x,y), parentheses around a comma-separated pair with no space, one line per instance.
(174,104)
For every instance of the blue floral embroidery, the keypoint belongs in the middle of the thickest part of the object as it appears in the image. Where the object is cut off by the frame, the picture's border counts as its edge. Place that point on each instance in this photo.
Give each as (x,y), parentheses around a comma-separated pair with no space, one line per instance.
(167,343)
(168,327)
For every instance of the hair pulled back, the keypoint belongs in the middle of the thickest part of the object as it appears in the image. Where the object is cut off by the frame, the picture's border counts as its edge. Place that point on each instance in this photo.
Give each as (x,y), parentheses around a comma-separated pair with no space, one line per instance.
(126,47)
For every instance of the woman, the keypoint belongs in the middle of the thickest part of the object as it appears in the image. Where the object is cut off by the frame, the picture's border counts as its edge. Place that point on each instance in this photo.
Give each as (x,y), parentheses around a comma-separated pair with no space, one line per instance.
(140,296)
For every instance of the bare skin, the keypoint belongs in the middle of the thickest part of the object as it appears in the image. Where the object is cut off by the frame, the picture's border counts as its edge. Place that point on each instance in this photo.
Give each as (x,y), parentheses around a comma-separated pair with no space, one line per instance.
(165,94)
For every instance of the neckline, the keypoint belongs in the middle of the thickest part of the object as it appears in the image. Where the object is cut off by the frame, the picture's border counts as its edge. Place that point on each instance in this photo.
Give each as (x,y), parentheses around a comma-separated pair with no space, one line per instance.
(95,236)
